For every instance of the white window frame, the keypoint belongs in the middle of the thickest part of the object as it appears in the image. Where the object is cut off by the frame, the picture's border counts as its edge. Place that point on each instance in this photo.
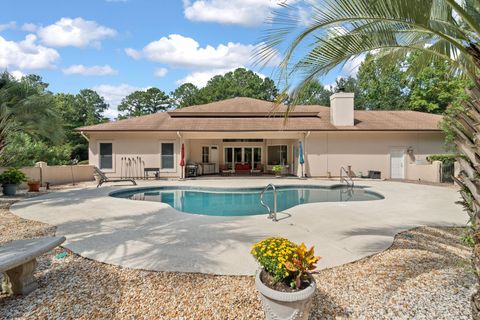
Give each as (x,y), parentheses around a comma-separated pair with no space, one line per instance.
(174,169)
(113,155)
(209,153)
(277,145)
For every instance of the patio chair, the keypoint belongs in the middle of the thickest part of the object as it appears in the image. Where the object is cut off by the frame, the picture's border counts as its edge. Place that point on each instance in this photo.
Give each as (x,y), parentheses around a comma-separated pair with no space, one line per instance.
(258,170)
(224,171)
(103,178)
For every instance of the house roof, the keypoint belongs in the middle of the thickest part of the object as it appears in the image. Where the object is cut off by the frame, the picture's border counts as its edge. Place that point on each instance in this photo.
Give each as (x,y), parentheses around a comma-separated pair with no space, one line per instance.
(247,114)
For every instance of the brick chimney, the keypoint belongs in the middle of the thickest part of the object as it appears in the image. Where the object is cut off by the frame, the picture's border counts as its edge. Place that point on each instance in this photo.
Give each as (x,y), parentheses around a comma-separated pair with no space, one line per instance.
(341,109)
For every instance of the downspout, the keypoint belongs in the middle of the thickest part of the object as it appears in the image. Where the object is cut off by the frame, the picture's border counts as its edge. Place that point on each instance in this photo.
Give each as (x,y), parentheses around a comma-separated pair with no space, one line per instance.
(181,141)
(83,135)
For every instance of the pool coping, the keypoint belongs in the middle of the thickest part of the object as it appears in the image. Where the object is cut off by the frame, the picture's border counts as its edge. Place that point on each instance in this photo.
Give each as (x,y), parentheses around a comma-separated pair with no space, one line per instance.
(238,190)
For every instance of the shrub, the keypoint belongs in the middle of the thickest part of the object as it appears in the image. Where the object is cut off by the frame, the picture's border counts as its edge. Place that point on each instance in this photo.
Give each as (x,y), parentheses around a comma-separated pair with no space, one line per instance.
(12,176)
(23,150)
(446,159)
(277,169)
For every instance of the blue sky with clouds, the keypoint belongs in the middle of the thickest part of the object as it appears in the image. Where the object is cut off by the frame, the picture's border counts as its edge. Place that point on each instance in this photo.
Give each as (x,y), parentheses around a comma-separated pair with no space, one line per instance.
(118,46)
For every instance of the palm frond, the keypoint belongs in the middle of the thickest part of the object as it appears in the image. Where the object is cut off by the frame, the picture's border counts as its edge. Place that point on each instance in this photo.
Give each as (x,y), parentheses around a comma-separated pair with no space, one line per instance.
(343,29)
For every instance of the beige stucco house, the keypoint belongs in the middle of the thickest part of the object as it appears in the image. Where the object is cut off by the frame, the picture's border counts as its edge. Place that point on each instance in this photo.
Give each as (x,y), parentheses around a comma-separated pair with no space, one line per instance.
(241,134)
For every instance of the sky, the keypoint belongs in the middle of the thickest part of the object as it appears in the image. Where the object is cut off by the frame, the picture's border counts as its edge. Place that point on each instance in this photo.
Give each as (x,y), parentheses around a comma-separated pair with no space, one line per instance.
(119,46)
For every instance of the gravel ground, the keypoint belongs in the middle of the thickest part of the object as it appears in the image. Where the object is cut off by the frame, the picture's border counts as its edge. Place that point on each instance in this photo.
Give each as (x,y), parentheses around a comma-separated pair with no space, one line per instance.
(426,274)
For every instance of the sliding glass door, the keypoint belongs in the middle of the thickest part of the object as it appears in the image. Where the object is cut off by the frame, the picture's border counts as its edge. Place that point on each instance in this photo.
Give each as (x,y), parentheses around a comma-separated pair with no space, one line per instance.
(243,155)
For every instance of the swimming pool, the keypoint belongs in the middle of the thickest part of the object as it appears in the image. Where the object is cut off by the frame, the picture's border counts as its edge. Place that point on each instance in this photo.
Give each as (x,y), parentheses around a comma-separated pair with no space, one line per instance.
(245,201)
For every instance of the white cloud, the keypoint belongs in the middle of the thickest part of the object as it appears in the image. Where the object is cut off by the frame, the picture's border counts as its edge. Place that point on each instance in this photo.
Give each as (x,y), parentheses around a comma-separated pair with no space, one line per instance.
(90,71)
(17,74)
(179,51)
(242,12)
(304,16)
(113,95)
(74,32)
(29,27)
(200,78)
(350,68)
(161,72)
(8,25)
(329,86)
(26,54)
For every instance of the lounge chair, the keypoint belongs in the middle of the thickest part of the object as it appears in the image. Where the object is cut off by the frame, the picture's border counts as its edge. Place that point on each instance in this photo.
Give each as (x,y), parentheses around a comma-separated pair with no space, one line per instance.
(103,178)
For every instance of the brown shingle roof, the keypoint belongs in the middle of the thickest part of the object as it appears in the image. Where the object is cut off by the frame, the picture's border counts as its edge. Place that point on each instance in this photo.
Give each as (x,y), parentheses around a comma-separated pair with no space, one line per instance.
(242,106)
(247,114)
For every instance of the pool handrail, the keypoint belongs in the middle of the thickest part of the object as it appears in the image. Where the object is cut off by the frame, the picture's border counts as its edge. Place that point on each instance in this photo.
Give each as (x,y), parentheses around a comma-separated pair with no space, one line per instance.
(271,215)
(347,178)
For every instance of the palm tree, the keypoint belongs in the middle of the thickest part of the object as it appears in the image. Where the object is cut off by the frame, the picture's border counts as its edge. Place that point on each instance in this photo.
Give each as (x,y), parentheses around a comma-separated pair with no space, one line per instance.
(25,106)
(435,30)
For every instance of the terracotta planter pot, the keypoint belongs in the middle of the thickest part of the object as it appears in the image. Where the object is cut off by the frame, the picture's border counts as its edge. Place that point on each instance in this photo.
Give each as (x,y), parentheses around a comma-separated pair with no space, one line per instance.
(33,186)
(286,305)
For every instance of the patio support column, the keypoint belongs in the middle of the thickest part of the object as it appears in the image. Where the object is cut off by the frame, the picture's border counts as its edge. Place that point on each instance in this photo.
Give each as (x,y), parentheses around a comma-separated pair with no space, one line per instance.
(305,154)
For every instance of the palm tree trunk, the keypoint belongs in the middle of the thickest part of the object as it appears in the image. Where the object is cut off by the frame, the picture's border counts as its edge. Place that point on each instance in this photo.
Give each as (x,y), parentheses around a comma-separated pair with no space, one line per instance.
(467,129)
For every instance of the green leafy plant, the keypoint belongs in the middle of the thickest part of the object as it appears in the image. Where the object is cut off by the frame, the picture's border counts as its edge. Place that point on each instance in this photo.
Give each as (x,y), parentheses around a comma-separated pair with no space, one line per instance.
(277,169)
(467,239)
(12,176)
(285,260)
(444,158)
(301,264)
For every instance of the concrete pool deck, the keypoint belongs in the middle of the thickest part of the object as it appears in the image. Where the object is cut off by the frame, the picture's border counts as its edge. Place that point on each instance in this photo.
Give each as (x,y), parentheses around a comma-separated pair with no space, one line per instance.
(154,236)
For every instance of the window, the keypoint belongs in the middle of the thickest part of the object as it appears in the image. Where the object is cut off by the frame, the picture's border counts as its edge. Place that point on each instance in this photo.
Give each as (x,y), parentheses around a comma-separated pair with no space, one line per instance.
(167,155)
(106,156)
(237,155)
(277,155)
(229,158)
(205,154)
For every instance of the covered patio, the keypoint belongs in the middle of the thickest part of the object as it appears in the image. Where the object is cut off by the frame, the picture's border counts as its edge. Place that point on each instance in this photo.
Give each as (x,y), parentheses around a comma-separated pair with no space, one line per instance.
(240,154)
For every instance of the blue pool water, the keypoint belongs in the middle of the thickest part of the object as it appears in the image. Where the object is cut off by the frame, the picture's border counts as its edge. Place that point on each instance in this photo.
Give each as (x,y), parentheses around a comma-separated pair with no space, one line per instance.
(243,202)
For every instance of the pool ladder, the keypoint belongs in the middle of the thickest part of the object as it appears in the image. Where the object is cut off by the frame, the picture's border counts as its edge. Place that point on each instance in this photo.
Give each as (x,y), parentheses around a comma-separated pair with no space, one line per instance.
(271,214)
(347,178)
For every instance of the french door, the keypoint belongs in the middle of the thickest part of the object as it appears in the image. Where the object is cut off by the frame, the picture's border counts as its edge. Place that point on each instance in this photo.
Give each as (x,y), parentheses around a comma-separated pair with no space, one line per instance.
(250,155)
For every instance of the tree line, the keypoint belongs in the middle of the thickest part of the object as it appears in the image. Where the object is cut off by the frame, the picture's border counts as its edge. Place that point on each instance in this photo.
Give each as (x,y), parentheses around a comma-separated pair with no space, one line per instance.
(37,125)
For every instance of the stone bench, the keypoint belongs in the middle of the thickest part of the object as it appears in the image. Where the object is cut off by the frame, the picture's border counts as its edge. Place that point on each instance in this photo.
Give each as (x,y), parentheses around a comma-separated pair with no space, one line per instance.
(18,262)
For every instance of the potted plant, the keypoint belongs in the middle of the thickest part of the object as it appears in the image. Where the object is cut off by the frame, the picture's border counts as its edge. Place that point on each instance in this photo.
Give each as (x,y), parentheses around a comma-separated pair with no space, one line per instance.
(285,282)
(277,170)
(33,185)
(10,179)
